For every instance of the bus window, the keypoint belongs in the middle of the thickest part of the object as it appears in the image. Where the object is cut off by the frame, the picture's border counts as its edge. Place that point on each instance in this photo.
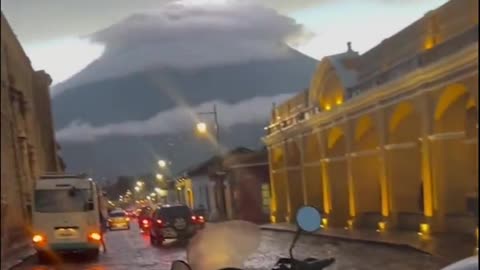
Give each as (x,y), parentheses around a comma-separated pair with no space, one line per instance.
(62,200)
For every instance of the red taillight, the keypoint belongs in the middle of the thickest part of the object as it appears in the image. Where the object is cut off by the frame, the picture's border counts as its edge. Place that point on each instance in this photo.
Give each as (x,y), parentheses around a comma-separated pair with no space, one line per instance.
(194,218)
(159,221)
(201,219)
(145,222)
(37,238)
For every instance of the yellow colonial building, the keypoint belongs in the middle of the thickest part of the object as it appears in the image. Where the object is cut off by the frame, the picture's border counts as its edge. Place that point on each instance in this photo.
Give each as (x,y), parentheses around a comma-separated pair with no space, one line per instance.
(388,138)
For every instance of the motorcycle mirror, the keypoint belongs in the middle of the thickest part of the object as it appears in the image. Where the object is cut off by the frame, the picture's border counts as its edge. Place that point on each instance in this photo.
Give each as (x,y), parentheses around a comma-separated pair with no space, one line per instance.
(308,219)
(180,265)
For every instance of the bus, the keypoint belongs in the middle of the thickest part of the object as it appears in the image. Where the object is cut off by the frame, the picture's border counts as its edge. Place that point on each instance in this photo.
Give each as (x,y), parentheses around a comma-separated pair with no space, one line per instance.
(66,216)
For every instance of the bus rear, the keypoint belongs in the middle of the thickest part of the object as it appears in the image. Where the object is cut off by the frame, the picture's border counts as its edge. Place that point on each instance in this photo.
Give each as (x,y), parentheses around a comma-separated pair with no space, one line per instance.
(66,216)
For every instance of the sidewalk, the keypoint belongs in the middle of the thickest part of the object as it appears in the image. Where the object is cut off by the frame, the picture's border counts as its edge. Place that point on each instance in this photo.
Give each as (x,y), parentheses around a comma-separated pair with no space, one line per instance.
(17,254)
(449,247)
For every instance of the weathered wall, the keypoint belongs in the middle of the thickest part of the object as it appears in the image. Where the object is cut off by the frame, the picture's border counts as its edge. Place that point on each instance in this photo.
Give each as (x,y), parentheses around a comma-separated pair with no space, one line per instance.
(27,143)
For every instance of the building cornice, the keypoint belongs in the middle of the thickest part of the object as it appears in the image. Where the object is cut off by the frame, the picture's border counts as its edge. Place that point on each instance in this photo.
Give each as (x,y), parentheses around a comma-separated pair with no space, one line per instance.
(465,60)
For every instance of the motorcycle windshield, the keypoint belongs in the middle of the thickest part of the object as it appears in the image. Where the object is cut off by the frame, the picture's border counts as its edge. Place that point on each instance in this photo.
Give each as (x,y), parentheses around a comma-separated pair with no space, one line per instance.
(223,245)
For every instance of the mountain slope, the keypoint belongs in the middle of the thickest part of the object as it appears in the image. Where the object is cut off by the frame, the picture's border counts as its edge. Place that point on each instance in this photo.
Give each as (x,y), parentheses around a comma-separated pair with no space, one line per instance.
(143,94)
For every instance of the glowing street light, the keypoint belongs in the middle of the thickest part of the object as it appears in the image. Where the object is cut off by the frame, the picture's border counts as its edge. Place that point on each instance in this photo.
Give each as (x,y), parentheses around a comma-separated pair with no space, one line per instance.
(159,176)
(158,190)
(152,194)
(137,188)
(162,163)
(202,127)
(139,183)
(148,198)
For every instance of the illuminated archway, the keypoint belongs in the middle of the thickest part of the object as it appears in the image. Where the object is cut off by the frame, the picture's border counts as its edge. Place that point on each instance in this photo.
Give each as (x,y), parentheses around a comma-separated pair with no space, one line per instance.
(404,165)
(326,88)
(451,94)
(336,172)
(401,112)
(365,172)
(403,124)
(365,134)
(454,157)
(312,170)
(334,137)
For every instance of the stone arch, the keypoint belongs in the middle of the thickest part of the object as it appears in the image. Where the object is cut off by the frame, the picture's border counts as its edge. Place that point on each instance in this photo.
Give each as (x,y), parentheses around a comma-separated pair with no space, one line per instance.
(278,157)
(454,158)
(336,142)
(293,152)
(471,121)
(403,123)
(337,177)
(449,95)
(316,82)
(312,170)
(404,164)
(365,134)
(365,172)
(326,89)
(311,147)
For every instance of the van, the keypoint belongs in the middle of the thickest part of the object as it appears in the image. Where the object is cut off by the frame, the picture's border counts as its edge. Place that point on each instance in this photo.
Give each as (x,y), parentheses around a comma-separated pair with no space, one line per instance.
(66,216)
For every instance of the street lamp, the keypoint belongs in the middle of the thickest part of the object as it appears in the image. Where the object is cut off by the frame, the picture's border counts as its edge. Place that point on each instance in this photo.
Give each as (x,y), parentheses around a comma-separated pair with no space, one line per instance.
(137,188)
(202,126)
(162,163)
(159,176)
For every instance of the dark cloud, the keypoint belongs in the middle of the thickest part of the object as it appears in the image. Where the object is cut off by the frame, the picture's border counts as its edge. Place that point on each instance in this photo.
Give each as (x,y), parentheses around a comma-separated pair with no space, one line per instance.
(175,120)
(35,20)
(182,36)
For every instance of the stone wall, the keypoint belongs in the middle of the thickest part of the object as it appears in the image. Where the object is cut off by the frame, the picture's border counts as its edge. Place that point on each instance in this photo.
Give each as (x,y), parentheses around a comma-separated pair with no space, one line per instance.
(27,138)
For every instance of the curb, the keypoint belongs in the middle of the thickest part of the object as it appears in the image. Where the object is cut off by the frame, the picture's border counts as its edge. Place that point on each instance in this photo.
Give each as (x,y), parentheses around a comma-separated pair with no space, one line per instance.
(353,239)
(21,259)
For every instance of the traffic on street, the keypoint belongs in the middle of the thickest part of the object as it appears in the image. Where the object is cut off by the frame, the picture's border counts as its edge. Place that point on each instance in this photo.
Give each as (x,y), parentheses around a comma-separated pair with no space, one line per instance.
(239,135)
(131,250)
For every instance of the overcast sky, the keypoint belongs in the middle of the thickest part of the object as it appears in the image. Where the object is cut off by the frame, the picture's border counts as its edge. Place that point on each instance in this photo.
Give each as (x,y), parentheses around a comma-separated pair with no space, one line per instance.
(104,38)
(55,32)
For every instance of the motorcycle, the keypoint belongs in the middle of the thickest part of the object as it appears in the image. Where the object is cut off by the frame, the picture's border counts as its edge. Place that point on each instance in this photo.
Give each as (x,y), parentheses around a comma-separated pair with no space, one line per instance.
(308,220)
(144,225)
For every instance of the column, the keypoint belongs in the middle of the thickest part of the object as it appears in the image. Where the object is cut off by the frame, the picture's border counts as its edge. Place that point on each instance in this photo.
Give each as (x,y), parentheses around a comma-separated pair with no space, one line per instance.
(301,145)
(285,181)
(348,149)
(382,158)
(327,195)
(426,158)
(273,192)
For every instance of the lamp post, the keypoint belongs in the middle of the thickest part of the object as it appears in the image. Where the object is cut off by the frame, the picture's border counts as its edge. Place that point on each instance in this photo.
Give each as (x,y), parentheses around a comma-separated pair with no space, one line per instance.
(202,127)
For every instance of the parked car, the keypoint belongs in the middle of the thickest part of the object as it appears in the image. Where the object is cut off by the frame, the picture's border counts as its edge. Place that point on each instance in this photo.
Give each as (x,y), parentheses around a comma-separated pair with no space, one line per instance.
(172,222)
(118,219)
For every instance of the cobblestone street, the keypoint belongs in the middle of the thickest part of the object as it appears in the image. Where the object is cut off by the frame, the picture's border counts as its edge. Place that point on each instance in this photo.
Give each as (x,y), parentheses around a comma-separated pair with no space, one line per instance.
(130,250)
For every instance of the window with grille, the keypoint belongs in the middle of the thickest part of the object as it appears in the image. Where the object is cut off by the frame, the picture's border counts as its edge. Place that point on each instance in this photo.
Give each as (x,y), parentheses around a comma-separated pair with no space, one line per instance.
(266,198)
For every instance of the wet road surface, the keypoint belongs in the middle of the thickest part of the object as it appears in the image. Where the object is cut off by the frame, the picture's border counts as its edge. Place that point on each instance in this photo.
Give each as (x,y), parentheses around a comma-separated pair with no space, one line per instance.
(131,250)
